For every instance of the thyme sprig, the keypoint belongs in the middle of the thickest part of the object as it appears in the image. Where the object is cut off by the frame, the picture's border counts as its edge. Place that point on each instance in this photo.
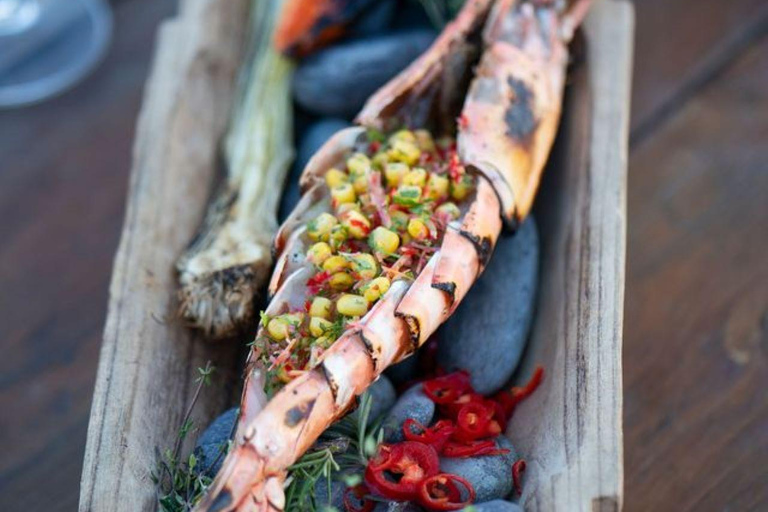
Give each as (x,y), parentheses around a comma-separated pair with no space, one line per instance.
(179,481)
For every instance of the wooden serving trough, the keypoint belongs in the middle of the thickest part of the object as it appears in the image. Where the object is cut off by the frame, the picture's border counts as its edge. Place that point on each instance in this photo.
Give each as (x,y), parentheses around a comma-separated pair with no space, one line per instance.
(570,431)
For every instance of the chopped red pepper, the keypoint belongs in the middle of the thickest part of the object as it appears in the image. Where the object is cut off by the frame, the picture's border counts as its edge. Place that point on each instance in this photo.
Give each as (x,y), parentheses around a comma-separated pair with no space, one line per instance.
(355,499)
(435,436)
(441,492)
(315,282)
(510,398)
(473,420)
(517,475)
(397,472)
(462,450)
(447,388)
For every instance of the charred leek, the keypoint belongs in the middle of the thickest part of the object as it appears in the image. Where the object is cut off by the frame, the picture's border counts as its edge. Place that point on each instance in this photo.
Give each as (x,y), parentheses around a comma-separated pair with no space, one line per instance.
(229,260)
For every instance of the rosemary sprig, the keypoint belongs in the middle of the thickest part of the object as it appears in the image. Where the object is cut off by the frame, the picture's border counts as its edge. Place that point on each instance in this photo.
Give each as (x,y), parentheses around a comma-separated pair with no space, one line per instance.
(343,449)
(179,481)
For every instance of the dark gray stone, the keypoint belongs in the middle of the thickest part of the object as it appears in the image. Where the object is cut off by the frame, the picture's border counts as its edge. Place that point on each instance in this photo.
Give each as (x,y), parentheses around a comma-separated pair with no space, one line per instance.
(383,397)
(338,80)
(337,493)
(411,404)
(375,20)
(213,441)
(404,371)
(397,506)
(495,506)
(490,475)
(314,137)
(487,334)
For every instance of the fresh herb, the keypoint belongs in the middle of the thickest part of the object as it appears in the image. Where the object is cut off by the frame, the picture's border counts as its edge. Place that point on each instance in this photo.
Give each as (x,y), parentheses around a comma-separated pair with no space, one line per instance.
(179,481)
(344,448)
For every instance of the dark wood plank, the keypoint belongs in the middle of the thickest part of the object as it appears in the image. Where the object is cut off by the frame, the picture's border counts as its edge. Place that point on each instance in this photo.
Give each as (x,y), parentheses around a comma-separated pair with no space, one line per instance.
(63,175)
(680,44)
(696,337)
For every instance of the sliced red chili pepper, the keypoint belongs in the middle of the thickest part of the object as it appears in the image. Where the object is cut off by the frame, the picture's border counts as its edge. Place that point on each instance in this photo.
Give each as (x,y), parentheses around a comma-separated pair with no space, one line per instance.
(355,499)
(398,472)
(447,388)
(517,475)
(511,397)
(435,436)
(472,421)
(452,409)
(441,492)
(463,450)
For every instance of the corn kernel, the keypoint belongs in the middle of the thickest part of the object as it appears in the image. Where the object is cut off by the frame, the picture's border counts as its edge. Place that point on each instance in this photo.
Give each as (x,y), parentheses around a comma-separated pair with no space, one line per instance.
(399,219)
(351,305)
(460,189)
(338,236)
(341,281)
(335,264)
(345,207)
(320,227)
(418,229)
(384,241)
(358,165)
(320,308)
(404,151)
(324,341)
(318,253)
(402,135)
(335,178)
(278,328)
(364,265)
(357,225)
(360,184)
(344,193)
(407,195)
(380,160)
(437,187)
(417,176)
(449,210)
(376,289)
(394,172)
(424,140)
(319,326)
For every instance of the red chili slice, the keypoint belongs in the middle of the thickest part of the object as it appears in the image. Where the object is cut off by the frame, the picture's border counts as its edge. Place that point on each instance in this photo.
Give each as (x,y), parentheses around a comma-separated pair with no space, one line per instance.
(397,473)
(517,475)
(441,492)
(355,499)
(462,450)
(473,421)
(510,398)
(447,388)
(435,436)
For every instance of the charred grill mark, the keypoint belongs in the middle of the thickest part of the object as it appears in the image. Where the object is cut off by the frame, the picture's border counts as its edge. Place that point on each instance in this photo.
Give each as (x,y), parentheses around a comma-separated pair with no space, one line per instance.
(413,327)
(449,288)
(296,415)
(483,246)
(329,379)
(519,117)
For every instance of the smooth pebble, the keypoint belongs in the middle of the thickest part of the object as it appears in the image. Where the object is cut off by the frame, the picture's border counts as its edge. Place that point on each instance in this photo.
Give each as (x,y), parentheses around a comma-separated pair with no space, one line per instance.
(383,397)
(338,80)
(214,439)
(487,334)
(397,506)
(314,137)
(375,20)
(490,475)
(404,371)
(411,404)
(337,493)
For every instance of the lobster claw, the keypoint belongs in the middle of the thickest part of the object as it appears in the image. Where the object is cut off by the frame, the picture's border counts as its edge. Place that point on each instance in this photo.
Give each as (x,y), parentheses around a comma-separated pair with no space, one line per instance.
(512,109)
(306,25)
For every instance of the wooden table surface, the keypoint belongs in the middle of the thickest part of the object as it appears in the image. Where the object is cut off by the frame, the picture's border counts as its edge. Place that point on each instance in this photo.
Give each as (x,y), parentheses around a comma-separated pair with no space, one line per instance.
(696,326)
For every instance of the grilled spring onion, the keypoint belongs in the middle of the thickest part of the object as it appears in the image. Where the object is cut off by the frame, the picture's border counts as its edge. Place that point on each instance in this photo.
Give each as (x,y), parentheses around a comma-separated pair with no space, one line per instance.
(229,259)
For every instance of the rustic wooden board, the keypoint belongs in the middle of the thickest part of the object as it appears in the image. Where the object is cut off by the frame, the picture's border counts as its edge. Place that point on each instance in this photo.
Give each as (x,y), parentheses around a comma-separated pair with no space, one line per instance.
(570,430)
(148,360)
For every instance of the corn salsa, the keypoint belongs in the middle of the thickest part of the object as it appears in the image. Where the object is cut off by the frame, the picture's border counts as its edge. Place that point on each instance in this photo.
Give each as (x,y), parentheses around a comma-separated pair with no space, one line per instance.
(390,205)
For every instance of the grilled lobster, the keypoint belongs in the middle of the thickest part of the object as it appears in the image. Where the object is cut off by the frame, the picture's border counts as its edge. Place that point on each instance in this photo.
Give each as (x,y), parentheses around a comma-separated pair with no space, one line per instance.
(494,77)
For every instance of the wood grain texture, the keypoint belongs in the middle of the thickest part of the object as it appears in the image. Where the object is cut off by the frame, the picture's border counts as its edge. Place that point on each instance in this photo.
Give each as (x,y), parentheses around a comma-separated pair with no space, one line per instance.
(571,429)
(696,347)
(148,358)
